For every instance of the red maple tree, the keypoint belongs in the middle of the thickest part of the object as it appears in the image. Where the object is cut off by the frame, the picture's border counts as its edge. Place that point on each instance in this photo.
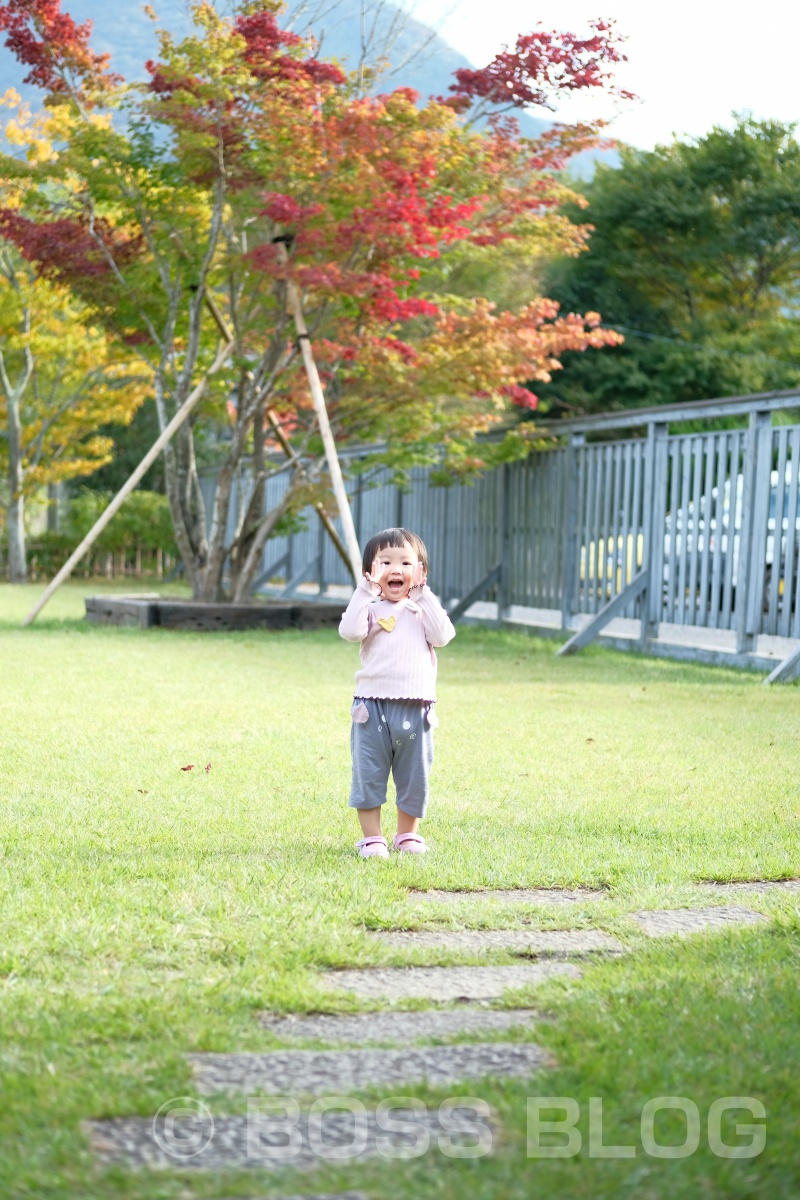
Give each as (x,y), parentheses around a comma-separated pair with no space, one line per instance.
(248,164)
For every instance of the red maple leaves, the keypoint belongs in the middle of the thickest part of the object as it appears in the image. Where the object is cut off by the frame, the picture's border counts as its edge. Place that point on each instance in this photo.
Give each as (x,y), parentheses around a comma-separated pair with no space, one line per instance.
(265,39)
(540,65)
(354,198)
(53,46)
(65,247)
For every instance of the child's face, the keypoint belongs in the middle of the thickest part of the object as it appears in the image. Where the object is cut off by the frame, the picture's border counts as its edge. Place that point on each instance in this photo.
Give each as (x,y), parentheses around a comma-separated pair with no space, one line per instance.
(397,568)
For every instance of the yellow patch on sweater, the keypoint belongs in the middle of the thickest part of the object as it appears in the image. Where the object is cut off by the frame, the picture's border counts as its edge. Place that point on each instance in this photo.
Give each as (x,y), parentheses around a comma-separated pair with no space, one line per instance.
(387,623)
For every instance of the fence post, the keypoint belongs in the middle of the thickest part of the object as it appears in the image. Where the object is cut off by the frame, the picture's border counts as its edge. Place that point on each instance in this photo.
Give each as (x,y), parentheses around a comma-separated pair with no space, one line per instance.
(570,531)
(654,512)
(444,588)
(504,557)
(290,556)
(755,505)
(360,506)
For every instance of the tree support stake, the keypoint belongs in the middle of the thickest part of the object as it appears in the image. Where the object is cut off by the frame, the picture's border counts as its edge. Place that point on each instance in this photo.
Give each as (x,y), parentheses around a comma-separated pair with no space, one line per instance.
(480,589)
(787,670)
(589,632)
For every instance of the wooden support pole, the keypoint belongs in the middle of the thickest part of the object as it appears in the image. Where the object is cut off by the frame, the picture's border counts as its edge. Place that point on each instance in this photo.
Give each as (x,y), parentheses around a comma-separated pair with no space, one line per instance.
(152,454)
(321,410)
(295,305)
(322,512)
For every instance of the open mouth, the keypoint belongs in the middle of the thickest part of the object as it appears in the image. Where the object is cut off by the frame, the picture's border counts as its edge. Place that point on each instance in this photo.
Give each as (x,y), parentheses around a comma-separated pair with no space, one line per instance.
(394,585)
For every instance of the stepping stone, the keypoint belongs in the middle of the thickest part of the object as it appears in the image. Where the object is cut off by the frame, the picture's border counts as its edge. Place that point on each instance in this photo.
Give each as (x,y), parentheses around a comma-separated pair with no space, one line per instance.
(752,885)
(338,1072)
(445,983)
(513,895)
(683,921)
(383,1028)
(567,943)
(258,1141)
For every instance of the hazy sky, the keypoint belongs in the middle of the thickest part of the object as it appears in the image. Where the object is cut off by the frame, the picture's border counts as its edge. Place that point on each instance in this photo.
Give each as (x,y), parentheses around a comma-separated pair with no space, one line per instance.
(691,63)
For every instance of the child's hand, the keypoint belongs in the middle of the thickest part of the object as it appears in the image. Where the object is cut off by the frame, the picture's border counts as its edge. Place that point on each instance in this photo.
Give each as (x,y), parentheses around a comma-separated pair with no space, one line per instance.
(374,576)
(419,578)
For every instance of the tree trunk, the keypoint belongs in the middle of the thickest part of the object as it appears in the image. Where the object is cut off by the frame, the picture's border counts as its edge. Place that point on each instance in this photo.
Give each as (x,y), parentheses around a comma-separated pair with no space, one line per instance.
(218,536)
(252,515)
(172,473)
(17,565)
(52,507)
(209,590)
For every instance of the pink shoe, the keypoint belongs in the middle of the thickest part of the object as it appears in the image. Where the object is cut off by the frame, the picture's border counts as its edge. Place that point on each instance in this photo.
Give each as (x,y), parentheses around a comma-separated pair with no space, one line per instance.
(409,843)
(373,847)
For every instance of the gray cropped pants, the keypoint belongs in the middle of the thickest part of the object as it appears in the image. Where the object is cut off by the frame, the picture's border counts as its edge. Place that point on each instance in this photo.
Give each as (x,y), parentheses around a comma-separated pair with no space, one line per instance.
(391,737)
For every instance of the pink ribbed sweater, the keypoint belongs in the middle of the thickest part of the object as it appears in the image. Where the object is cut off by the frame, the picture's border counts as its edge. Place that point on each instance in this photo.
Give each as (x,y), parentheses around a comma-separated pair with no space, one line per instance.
(399,664)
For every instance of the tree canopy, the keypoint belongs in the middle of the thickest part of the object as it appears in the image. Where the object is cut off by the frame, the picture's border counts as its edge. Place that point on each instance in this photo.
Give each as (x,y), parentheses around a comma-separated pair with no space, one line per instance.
(695,257)
(179,211)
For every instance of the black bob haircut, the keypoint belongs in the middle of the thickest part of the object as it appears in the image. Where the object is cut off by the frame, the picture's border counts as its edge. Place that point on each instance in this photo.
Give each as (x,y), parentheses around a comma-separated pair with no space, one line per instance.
(394,539)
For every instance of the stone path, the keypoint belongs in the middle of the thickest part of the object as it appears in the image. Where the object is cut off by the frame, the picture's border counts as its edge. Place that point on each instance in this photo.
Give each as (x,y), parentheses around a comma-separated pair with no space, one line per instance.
(445,983)
(760,886)
(569,943)
(683,921)
(258,1140)
(383,1028)
(511,895)
(195,1139)
(339,1072)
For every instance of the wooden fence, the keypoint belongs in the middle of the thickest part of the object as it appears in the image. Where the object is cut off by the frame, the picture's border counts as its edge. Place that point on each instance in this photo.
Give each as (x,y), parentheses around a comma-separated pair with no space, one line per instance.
(695,529)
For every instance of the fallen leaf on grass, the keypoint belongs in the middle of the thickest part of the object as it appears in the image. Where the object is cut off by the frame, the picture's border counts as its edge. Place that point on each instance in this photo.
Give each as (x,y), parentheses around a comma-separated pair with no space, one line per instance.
(189,768)
(207,768)
(142,792)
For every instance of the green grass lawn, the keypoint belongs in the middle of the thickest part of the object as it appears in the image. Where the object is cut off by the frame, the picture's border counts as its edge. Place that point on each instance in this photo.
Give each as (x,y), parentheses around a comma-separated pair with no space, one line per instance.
(147,912)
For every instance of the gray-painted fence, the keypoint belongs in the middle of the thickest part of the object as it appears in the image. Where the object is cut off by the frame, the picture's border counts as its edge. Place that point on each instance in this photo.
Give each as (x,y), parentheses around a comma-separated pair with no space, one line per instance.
(711,518)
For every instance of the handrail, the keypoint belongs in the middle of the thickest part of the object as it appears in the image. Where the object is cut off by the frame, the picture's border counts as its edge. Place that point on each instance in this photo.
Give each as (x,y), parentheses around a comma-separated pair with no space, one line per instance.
(689,410)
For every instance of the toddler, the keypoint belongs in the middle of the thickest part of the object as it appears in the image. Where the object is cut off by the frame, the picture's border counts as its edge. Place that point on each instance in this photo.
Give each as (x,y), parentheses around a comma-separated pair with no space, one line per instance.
(398,621)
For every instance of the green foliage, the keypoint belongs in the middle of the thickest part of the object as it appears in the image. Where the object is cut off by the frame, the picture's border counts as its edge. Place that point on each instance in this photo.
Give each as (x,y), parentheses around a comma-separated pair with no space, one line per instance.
(143,520)
(695,258)
(131,443)
(141,527)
